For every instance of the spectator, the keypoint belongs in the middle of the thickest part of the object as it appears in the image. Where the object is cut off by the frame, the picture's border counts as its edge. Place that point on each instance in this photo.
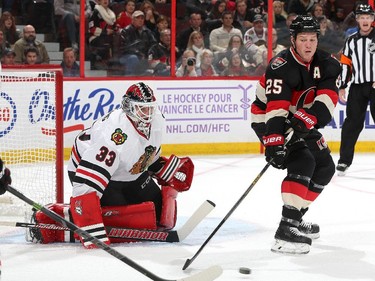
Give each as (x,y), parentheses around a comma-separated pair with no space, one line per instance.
(330,8)
(196,24)
(236,43)
(261,68)
(206,68)
(300,7)
(276,48)
(125,17)
(161,24)
(338,20)
(69,64)
(317,12)
(102,26)
(151,15)
(330,40)
(159,54)
(219,37)
(69,13)
(29,40)
(235,66)
(213,19)
(196,44)
(279,14)
(188,65)
(8,57)
(3,43)
(198,7)
(31,55)
(283,33)
(231,5)
(242,16)
(257,34)
(8,26)
(135,42)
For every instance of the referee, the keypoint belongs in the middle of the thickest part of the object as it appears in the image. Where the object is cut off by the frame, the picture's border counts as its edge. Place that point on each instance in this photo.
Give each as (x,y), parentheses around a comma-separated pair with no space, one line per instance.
(358,66)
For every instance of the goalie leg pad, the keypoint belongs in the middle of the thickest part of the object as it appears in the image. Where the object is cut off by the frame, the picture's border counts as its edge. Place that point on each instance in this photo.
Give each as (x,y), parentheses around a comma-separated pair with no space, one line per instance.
(138,217)
(86,213)
(169,207)
(46,236)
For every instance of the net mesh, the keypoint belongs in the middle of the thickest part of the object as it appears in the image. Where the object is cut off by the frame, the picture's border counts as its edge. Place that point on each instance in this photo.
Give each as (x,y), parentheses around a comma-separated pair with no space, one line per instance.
(28,136)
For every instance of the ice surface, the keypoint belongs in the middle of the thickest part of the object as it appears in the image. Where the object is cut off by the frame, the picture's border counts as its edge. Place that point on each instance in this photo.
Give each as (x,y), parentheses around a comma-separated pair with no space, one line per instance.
(345,251)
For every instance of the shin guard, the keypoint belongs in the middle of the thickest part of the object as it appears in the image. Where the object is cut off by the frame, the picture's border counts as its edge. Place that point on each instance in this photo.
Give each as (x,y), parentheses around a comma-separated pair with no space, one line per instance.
(168,215)
(86,213)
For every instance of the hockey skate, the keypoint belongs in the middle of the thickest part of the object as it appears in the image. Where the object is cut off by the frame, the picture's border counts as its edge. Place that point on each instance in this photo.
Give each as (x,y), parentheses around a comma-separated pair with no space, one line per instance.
(341,169)
(289,240)
(309,229)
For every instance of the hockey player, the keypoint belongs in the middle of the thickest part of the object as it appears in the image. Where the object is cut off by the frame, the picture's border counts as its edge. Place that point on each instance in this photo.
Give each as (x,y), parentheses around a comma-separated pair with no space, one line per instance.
(112,167)
(298,92)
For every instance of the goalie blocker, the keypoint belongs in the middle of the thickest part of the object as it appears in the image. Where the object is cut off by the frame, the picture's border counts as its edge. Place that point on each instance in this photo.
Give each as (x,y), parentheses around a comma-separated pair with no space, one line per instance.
(174,174)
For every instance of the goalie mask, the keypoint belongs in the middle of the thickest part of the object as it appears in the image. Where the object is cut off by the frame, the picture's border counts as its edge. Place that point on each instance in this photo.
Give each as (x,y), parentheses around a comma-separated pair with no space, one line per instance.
(139,104)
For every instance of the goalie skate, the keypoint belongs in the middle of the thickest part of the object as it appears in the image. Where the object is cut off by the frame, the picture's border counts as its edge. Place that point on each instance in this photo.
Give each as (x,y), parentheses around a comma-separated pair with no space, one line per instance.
(309,229)
(289,240)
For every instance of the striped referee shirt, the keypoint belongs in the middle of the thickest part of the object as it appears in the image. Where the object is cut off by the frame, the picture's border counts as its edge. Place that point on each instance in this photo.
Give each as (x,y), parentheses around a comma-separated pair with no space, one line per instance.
(358,59)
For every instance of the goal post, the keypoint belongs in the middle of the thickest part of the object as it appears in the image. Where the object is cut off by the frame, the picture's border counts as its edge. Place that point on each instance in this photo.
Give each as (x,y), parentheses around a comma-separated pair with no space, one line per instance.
(31,133)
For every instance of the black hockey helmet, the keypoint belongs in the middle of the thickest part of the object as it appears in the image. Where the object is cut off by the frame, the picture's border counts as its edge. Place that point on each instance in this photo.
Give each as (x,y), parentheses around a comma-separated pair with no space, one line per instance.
(364,9)
(304,24)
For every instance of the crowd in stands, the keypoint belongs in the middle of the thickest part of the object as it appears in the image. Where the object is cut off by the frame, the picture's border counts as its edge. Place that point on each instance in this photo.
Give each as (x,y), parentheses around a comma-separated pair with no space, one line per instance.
(133,37)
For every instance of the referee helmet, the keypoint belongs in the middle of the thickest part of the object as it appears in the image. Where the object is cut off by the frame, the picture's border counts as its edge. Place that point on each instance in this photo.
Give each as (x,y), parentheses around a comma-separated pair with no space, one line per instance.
(364,9)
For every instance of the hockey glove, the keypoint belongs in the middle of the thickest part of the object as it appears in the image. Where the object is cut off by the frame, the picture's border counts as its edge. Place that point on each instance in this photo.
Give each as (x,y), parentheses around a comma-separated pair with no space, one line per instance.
(302,122)
(176,172)
(275,150)
(5,178)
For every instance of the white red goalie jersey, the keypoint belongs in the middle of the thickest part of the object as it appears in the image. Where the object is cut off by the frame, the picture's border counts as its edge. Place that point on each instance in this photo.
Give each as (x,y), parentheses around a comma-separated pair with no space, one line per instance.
(112,166)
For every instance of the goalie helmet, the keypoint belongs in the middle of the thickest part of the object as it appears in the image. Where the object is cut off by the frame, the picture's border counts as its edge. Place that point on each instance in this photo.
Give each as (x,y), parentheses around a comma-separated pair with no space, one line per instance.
(304,24)
(364,9)
(139,104)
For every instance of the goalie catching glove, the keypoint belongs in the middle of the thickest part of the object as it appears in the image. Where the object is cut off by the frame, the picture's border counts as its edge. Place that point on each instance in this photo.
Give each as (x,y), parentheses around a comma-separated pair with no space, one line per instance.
(174,172)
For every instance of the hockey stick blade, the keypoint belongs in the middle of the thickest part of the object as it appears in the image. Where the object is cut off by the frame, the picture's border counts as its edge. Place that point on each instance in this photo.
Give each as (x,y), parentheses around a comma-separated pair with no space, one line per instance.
(189,261)
(170,236)
(206,275)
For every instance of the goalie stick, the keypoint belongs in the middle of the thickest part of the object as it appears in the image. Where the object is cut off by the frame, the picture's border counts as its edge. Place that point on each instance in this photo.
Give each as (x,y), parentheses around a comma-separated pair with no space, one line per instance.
(170,236)
(208,274)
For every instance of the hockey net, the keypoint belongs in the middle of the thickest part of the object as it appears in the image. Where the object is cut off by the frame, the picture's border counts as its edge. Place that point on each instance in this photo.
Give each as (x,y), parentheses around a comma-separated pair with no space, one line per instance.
(31,135)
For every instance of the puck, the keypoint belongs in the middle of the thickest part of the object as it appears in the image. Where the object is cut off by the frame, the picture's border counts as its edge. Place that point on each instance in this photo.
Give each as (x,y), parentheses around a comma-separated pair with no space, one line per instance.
(244,270)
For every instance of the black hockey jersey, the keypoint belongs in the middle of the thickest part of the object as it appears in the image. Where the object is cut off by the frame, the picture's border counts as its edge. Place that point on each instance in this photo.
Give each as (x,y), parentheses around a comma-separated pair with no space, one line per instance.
(291,84)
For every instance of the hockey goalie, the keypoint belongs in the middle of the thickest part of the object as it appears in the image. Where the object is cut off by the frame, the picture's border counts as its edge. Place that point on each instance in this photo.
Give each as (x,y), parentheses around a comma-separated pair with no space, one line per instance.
(114,169)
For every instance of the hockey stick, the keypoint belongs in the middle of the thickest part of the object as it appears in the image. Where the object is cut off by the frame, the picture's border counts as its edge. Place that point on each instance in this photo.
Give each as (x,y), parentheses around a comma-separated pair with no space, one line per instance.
(189,261)
(170,236)
(209,274)
(289,136)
